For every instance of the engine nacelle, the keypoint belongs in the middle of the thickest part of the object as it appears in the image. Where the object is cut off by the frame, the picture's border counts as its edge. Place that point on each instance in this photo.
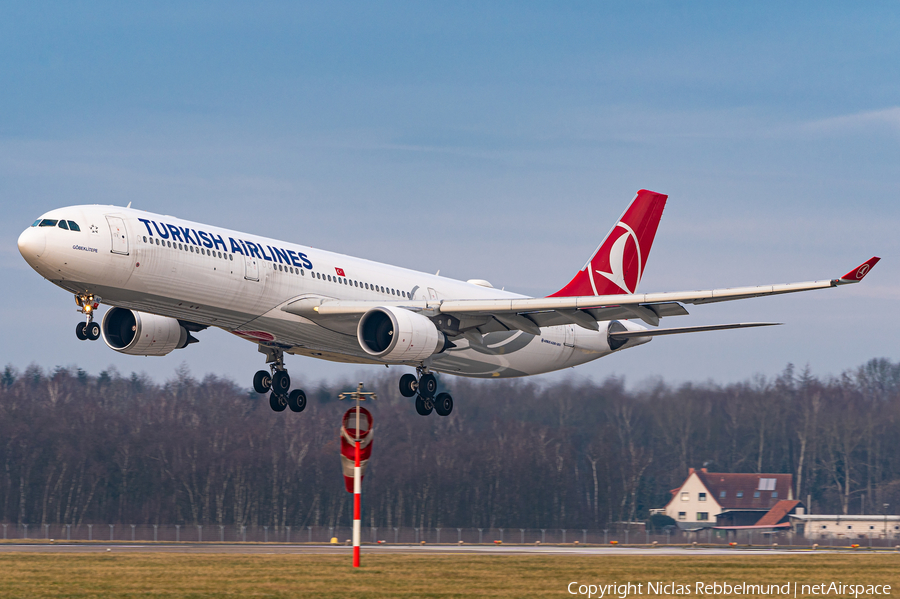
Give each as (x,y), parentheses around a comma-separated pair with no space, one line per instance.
(619,326)
(397,334)
(141,334)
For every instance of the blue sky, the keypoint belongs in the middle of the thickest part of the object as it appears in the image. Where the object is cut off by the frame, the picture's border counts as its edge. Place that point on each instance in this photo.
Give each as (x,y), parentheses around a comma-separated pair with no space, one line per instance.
(487,140)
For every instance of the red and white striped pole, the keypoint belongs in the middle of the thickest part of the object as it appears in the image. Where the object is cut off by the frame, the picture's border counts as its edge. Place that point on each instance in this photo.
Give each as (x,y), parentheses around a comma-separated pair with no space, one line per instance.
(357,494)
(360,444)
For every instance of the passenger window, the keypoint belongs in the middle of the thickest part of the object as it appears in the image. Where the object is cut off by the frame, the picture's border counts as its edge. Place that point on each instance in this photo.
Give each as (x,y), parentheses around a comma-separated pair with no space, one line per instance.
(73,226)
(63,225)
(48,222)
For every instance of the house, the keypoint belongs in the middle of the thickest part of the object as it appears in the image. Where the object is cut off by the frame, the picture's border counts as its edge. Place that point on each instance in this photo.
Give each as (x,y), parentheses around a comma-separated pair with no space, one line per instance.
(846,527)
(724,499)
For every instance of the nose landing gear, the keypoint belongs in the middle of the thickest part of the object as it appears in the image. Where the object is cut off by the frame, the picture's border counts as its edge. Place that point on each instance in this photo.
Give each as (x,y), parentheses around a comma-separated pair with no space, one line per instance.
(423,388)
(88,330)
(278,382)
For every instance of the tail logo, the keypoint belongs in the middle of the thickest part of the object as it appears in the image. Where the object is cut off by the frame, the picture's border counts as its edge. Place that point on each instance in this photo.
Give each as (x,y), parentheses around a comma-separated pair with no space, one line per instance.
(861,271)
(617,260)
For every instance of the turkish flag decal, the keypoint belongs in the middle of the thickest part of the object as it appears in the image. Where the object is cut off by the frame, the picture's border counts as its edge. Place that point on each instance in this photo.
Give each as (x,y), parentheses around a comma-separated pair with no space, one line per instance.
(339,271)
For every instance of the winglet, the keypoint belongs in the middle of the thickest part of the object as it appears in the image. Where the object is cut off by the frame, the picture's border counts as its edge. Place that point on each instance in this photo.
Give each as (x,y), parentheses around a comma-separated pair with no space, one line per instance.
(856,275)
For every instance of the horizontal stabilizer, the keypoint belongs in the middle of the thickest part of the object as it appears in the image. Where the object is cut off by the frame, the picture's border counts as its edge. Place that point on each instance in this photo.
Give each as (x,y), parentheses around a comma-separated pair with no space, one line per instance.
(676,331)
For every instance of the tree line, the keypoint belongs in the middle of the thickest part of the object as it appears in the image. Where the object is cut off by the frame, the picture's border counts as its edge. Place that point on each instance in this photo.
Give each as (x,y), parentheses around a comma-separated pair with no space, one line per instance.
(81,449)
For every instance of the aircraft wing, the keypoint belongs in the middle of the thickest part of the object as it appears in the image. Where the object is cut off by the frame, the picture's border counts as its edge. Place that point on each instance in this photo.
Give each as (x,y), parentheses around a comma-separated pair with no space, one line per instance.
(529,314)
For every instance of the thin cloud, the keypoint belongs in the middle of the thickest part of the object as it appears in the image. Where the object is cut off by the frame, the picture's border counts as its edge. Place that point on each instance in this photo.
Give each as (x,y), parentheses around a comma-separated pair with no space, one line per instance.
(879,121)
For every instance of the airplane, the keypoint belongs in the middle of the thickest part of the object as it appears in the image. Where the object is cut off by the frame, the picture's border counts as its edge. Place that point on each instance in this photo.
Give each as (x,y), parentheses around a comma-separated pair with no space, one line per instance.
(165,279)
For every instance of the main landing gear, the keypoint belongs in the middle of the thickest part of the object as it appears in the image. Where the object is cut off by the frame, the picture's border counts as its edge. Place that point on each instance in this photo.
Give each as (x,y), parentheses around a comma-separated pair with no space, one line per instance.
(88,330)
(278,382)
(424,388)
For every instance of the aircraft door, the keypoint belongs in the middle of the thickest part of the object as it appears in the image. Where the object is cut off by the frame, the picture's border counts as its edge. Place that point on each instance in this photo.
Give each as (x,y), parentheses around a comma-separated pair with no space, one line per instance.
(570,335)
(251,268)
(119,235)
(432,294)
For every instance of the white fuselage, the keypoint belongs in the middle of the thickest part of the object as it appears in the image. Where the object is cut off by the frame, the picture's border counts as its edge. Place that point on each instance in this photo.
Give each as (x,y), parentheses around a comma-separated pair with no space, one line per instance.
(239,282)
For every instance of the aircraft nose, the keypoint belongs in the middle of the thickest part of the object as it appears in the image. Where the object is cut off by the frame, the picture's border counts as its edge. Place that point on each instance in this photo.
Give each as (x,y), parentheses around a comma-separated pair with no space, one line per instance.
(32,243)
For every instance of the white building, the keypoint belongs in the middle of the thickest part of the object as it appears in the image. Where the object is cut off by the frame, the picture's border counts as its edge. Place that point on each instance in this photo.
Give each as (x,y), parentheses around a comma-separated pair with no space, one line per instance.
(846,527)
(708,499)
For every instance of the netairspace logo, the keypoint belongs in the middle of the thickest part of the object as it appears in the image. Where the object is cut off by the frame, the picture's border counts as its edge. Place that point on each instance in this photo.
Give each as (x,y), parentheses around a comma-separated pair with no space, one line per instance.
(789,589)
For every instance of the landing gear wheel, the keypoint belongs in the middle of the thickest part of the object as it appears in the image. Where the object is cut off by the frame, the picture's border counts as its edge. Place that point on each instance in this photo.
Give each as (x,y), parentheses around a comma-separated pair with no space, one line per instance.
(277,402)
(296,400)
(262,382)
(92,331)
(443,404)
(424,406)
(427,386)
(408,385)
(281,382)
(79,331)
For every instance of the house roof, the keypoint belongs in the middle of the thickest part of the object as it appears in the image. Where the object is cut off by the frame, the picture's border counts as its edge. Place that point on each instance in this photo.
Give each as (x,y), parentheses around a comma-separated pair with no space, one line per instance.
(746,485)
(778,512)
(753,527)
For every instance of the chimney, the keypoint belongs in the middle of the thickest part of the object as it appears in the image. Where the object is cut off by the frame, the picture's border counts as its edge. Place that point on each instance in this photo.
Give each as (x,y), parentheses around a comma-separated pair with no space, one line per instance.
(691,471)
(703,470)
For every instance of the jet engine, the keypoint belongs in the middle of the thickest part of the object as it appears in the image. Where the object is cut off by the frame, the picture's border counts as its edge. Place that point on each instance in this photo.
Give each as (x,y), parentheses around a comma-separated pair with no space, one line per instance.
(625,334)
(397,334)
(141,334)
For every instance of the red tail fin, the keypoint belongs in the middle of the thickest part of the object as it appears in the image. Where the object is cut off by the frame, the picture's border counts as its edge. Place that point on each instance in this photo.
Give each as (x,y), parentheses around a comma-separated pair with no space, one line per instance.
(617,265)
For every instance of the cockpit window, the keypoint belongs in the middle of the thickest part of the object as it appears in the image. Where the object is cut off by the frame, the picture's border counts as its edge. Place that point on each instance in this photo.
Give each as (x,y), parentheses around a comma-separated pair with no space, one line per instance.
(73,226)
(63,225)
(36,223)
(48,222)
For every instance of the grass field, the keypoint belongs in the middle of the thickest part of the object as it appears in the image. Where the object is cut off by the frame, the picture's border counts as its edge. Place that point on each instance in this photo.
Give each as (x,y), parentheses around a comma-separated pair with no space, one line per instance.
(182,575)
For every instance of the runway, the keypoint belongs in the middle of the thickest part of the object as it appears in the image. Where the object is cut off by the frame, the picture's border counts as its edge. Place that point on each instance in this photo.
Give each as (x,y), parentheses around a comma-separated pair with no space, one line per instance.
(281,549)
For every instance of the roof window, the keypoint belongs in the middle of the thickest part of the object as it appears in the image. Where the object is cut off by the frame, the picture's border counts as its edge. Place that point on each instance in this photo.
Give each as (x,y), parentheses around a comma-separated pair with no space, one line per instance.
(767,484)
